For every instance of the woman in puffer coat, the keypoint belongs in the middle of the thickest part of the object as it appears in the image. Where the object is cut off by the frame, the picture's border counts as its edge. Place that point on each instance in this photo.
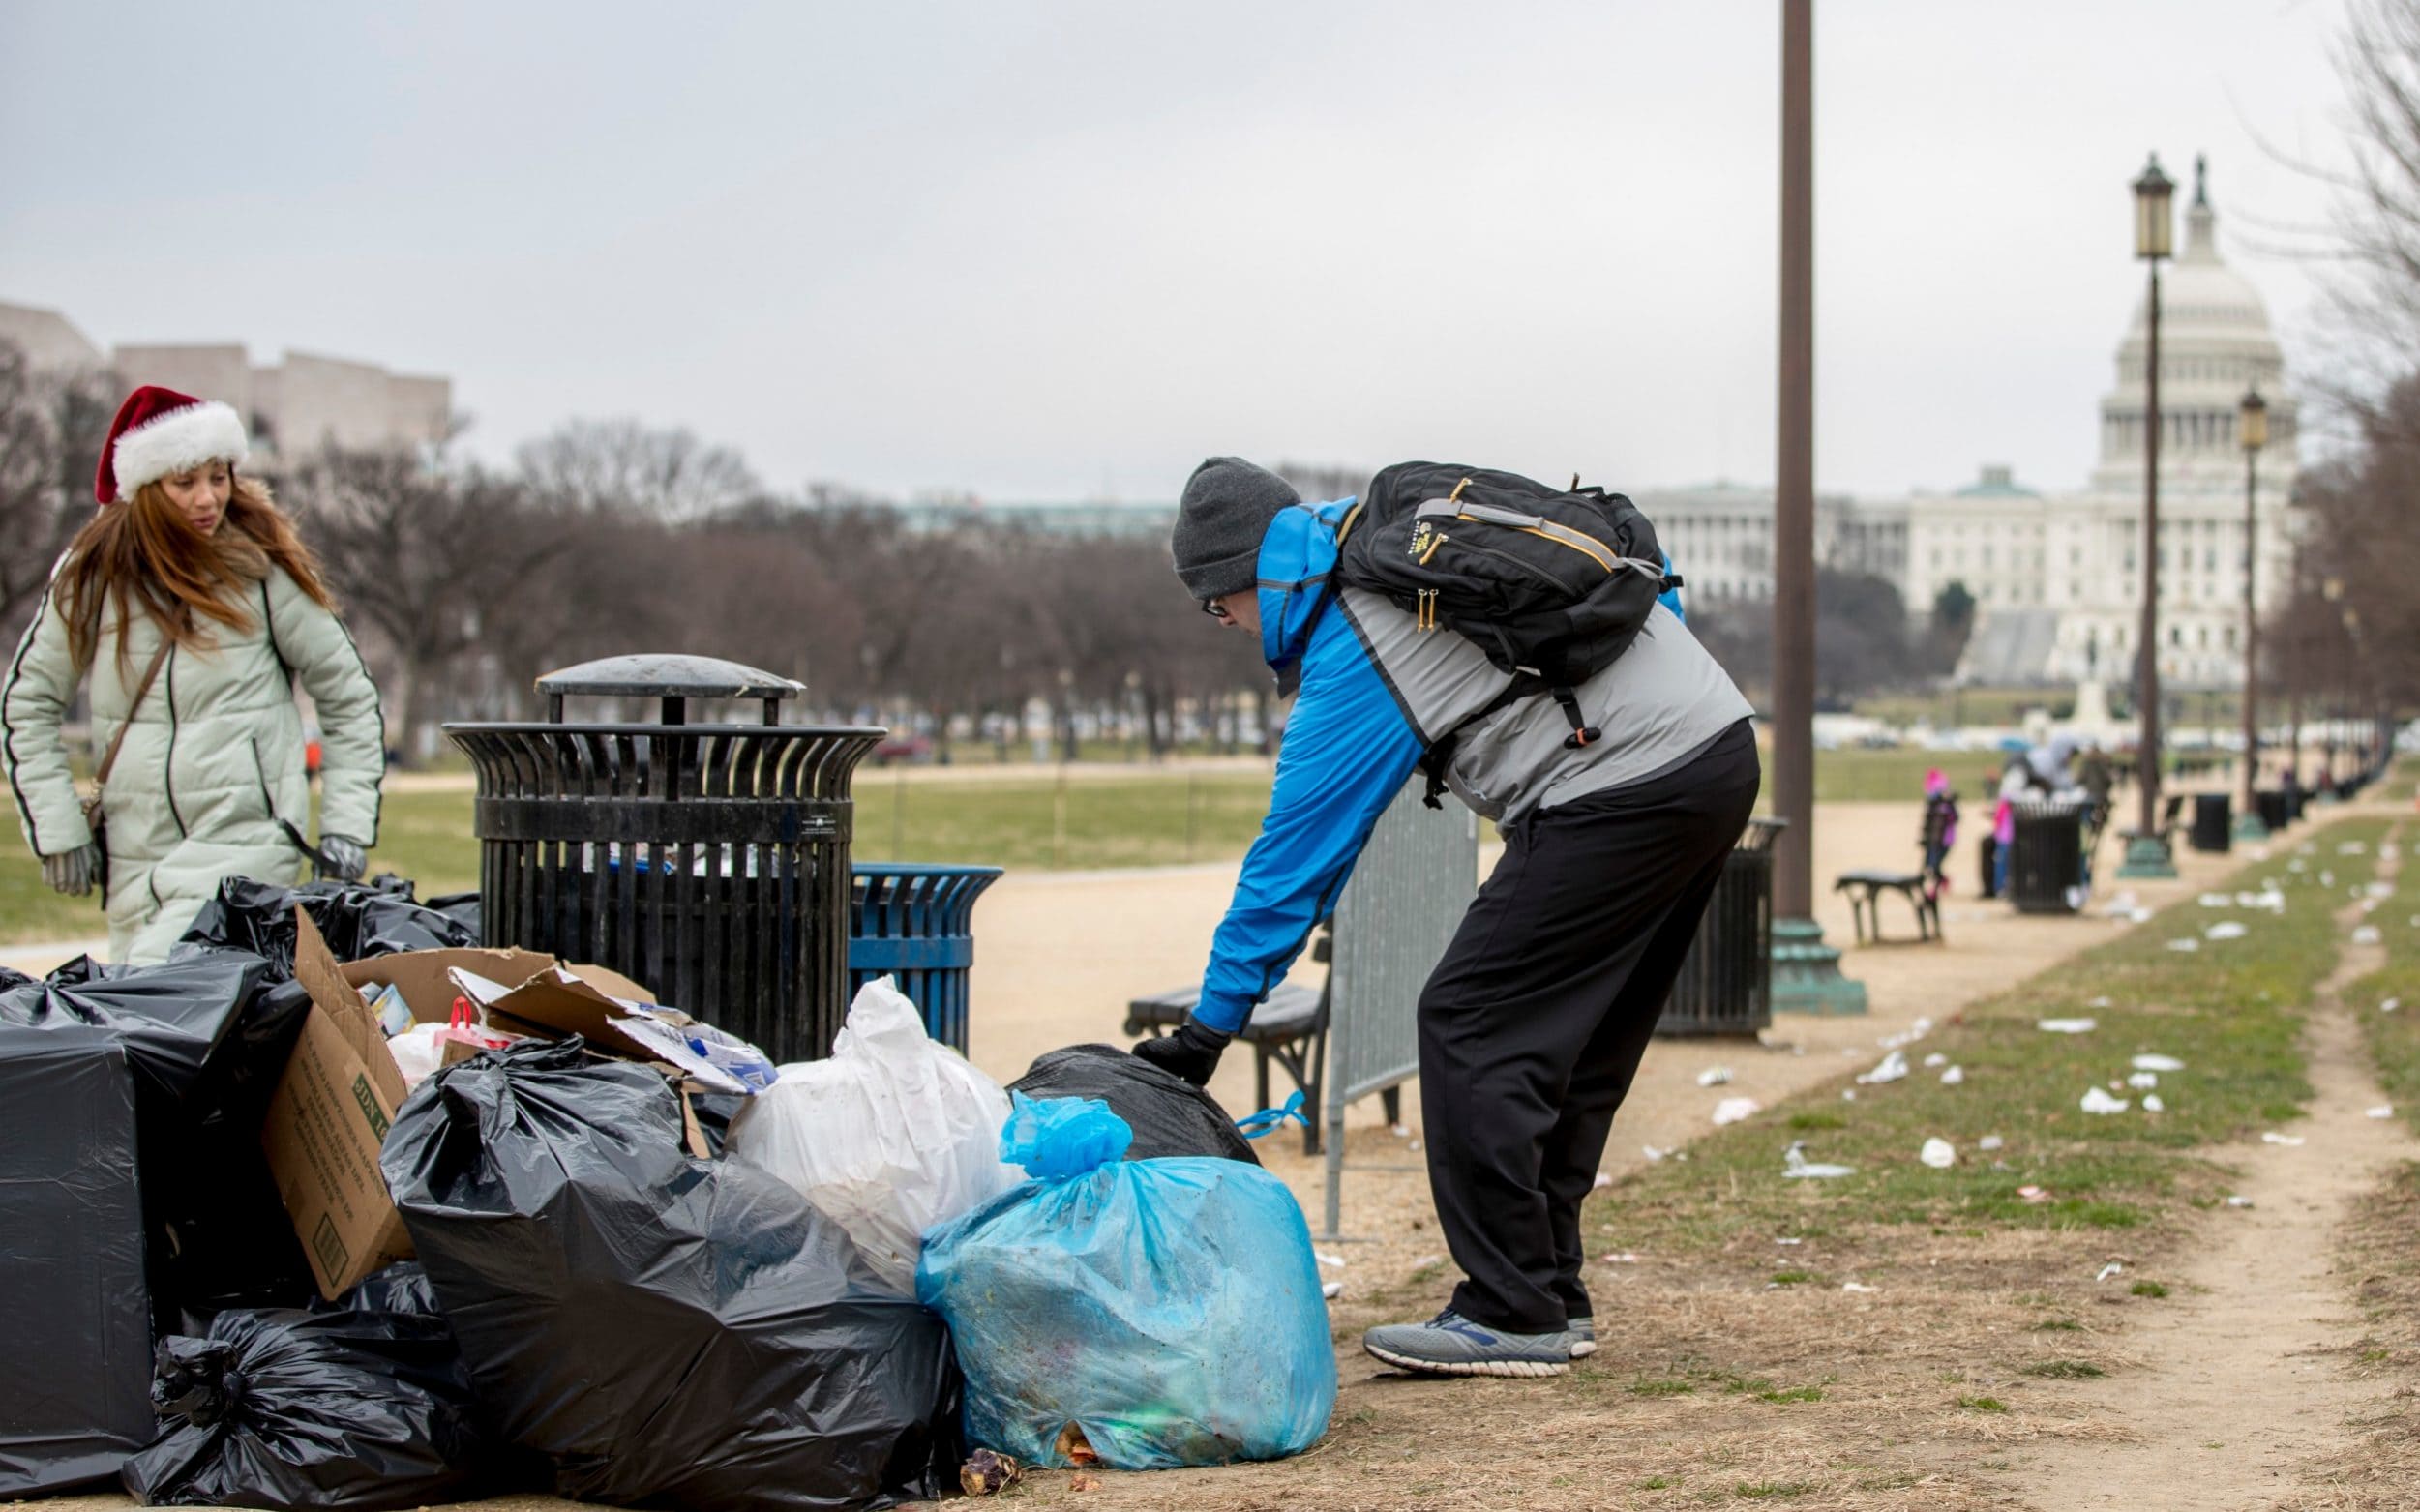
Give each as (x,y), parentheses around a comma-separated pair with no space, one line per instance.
(209,782)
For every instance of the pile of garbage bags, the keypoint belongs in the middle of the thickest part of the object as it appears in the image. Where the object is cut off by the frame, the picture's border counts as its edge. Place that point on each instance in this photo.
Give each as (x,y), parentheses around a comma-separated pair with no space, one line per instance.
(632,1281)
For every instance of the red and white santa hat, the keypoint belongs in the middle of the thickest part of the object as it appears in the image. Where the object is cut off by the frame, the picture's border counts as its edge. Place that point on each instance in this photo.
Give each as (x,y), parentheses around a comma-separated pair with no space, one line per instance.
(158,433)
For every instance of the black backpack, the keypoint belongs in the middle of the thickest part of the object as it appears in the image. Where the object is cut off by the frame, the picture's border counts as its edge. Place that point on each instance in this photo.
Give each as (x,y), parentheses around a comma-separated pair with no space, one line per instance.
(1553,585)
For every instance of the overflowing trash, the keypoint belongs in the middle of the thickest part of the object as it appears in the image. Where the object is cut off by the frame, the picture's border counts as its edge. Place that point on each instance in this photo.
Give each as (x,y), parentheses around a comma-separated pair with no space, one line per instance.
(357,920)
(666,1330)
(892,1135)
(1138,1314)
(1169,1115)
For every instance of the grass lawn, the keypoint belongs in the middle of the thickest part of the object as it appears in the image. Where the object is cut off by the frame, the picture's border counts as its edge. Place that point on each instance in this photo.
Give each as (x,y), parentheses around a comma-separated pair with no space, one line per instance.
(2231,1010)
(2394,1038)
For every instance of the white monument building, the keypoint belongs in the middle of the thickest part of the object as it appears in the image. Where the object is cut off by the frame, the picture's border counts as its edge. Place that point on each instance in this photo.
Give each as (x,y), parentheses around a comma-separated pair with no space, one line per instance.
(2056,576)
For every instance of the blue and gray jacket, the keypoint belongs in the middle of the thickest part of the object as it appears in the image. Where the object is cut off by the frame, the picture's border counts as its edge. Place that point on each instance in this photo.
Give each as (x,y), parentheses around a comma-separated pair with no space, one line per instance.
(1376,691)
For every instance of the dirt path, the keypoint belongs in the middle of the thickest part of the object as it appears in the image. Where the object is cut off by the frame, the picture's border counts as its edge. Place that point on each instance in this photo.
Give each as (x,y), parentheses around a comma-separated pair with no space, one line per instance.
(2237,1387)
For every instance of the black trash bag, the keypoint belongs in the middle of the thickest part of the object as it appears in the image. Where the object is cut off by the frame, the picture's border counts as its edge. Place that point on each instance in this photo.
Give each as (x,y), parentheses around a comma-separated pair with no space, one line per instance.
(462,908)
(290,1409)
(74,1303)
(357,920)
(669,1331)
(207,1046)
(1169,1114)
(402,1288)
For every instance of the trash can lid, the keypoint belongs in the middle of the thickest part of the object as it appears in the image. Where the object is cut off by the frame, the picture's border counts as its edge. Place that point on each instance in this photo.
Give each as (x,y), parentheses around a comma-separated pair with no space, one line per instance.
(664,676)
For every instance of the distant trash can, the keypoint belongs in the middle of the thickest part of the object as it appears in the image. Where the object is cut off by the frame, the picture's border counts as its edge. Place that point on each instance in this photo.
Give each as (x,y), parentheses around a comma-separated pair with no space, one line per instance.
(1725,984)
(2046,872)
(2214,823)
(915,922)
(2274,813)
(708,862)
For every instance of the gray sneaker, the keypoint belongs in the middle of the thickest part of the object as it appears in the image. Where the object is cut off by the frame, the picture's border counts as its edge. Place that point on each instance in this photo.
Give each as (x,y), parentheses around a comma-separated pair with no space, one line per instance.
(1451,1344)
(1582,1334)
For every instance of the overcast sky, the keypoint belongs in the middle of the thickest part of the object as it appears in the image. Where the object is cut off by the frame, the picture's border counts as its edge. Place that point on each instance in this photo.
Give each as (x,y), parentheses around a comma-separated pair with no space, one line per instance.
(1064,251)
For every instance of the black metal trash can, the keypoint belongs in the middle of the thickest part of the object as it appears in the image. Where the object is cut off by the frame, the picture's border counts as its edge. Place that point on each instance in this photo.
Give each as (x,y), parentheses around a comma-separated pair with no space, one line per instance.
(1725,984)
(709,862)
(915,923)
(2214,823)
(2275,814)
(2046,872)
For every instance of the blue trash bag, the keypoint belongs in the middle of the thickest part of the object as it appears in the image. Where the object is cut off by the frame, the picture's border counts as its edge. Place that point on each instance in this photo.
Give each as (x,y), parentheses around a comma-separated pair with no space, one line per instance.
(1167,1311)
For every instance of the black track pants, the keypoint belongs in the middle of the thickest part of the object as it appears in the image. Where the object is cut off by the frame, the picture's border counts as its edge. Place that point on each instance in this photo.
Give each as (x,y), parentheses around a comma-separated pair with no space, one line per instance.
(1534,1022)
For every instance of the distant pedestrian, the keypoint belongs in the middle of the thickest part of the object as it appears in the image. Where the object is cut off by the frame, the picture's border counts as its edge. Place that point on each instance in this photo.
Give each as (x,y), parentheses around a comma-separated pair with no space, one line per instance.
(194,609)
(1939,831)
(1988,844)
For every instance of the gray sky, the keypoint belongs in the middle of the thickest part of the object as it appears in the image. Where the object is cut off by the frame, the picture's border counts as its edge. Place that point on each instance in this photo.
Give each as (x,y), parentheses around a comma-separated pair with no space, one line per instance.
(1058,251)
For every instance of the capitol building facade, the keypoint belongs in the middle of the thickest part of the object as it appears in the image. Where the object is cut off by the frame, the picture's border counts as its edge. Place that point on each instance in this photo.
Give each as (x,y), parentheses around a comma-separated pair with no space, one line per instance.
(2057,578)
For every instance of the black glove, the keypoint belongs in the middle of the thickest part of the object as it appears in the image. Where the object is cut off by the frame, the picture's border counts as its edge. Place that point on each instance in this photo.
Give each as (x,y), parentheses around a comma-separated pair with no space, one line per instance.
(1191,1053)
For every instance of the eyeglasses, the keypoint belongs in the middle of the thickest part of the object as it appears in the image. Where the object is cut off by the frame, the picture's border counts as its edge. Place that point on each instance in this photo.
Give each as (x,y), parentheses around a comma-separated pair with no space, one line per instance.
(1217,611)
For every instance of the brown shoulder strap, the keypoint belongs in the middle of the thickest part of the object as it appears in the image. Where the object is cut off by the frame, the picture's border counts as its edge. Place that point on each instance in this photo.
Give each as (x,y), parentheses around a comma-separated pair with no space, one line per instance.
(151,675)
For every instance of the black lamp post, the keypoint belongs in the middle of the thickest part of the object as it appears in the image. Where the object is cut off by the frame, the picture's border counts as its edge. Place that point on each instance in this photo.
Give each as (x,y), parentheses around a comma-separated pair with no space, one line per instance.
(2147,851)
(2251,429)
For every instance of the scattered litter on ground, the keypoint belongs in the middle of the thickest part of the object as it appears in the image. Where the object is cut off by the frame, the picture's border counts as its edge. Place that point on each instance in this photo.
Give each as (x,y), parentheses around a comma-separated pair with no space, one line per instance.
(2382,1110)
(1731,1109)
(2096,1101)
(1848,1094)
(2186,946)
(1892,1067)
(1858,1286)
(2112,1268)
(1990,1143)
(2032,1194)
(1795,1166)
(1332,1291)
(2390,1005)
(1792,1239)
(2367,935)
(986,1473)
(2214,900)
(2328,878)
(2144,1080)
(1650,1152)
(2158,1063)
(1601,1182)
(1624,1257)
(1326,1259)
(2381,889)
(1939,1153)
(2068,1025)
(1936,1058)
(1954,1077)
(2227,930)
(1713,1076)
(2151,1103)
(1400,1131)
(2272,1137)
(2099,1002)
(2353,848)
(2238,1200)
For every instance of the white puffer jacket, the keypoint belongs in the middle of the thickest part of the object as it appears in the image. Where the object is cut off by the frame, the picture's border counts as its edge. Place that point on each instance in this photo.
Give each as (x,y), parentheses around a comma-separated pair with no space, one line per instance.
(213,760)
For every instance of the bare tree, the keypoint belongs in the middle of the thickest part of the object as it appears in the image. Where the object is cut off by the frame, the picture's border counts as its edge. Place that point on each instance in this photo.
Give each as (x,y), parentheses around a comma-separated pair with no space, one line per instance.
(50,429)
(624,466)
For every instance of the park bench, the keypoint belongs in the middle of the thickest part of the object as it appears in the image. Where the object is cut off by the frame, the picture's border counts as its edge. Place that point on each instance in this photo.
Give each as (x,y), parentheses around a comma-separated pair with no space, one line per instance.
(1865,891)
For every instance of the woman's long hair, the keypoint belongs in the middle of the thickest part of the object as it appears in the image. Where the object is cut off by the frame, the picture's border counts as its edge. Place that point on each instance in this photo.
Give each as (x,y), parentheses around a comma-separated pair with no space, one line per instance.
(144,553)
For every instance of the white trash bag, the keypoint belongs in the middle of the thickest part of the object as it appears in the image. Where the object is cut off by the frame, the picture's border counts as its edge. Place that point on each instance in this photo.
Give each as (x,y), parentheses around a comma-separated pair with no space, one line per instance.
(891,1136)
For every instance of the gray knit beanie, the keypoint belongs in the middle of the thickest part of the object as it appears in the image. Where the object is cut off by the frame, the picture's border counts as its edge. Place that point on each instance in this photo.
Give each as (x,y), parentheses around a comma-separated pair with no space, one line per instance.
(1227,506)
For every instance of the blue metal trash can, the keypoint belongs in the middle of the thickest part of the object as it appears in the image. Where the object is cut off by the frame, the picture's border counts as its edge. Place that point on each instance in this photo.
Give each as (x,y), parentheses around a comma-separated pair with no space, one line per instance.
(916,921)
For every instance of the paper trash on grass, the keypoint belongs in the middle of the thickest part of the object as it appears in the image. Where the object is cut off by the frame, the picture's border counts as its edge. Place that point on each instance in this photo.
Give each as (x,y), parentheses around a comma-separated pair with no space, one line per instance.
(2070,1025)
(2390,1005)
(1858,1286)
(1624,1257)
(2367,935)
(2226,929)
(1731,1109)
(2239,1201)
(1601,1182)
(1939,1153)
(2214,900)
(1954,1077)
(2151,1103)
(2143,1081)
(2032,1195)
(1892,1067)
(1990,1143)
(2158,1063)
(1795,1166)
(1936,1058)
(2112,1268)
(2186,946)
(2272,1137)
(2096,1101)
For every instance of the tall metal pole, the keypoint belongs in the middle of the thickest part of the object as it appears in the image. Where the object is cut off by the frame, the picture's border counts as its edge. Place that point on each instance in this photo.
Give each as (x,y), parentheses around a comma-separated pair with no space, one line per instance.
(1793,484)
(1806,971)
(2252,635)
(2147,678)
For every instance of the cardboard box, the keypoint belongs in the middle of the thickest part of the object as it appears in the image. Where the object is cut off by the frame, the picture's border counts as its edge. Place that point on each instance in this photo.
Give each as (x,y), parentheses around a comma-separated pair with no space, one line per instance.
(326,1121)
(332,1107)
